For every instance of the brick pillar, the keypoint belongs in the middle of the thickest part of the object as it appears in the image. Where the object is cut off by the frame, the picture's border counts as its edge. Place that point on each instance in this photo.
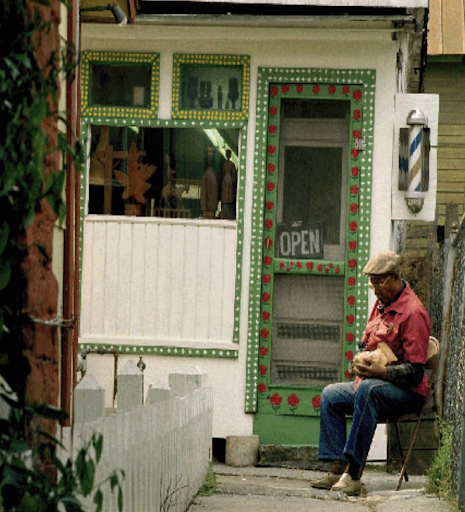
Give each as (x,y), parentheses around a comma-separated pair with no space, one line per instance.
(41,288)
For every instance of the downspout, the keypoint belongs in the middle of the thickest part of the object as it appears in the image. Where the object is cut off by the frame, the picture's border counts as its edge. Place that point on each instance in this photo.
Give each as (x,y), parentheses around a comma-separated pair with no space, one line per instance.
(83,364)
(77,197)
(69,304)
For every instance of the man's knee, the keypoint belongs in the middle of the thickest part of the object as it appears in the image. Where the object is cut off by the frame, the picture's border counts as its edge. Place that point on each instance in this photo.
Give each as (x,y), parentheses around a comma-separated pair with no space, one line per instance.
(331,392)
(368,386)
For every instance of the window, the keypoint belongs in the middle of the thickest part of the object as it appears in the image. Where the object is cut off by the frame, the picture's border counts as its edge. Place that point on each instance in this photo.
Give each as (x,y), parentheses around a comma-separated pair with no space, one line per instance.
(120,84)
(164,172)
(211,86)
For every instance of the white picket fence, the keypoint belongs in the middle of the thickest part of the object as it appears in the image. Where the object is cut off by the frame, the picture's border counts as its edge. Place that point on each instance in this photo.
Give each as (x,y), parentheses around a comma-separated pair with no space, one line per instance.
(164,448)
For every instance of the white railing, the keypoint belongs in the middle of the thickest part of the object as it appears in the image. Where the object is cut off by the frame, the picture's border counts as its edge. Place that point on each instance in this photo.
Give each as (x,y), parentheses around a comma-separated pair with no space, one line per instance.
(163,447)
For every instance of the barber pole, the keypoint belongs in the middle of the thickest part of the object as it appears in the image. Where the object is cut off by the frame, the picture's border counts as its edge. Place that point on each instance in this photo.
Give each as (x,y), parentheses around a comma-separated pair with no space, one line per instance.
(414,181)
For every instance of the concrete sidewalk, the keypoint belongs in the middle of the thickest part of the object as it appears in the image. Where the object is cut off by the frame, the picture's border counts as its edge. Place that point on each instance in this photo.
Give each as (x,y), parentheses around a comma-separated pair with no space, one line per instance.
(261,489)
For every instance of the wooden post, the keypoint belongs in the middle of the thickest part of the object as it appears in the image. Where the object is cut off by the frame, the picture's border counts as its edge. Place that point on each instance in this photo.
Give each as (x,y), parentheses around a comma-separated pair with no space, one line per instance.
(130,386)
(452,215)
(109,155)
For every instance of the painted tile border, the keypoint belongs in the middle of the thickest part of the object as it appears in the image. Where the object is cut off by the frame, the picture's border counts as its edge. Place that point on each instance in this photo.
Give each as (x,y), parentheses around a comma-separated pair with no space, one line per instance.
(160,350)
(327,84)
(210,60)
(86,122)
(90,57)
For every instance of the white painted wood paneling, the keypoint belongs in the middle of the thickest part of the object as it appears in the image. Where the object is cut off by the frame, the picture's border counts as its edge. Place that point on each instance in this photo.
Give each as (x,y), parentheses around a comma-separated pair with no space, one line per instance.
(150,282)
(98,284)
(203,277)
(138,282)
(86,277)
(176,280)
(229,268)
(150,291)
(123,276)
(189,298)
(111,278)
(163,289)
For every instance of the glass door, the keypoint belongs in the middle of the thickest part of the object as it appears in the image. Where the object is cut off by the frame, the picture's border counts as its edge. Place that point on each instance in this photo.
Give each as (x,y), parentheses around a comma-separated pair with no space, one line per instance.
(304,306)
(308,310)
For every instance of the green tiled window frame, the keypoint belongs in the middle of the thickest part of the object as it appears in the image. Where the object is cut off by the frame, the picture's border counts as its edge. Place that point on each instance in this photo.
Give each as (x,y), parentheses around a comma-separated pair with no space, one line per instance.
(194,351)
(130,59)
(358,86)
(210,60)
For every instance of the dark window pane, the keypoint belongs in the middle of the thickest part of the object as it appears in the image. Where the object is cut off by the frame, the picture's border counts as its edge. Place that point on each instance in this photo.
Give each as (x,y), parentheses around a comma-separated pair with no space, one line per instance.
(321,109)
(211,87)
(164,172)
(121,86)
(312,188)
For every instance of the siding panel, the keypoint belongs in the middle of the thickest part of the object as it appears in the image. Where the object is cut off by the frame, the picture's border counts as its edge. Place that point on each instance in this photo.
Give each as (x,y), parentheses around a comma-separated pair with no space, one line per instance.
(98,273)
(447,79)
(150,287)
(124,279)
(189,295)
(137,279)
(158,283)
(111,278)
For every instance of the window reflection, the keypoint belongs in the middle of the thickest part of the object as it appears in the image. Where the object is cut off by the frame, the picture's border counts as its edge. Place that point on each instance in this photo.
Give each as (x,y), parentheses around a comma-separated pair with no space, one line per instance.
(164,172)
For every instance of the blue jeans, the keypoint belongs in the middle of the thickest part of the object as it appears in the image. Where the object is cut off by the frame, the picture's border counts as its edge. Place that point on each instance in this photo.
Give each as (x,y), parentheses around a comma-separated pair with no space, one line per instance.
(375,400)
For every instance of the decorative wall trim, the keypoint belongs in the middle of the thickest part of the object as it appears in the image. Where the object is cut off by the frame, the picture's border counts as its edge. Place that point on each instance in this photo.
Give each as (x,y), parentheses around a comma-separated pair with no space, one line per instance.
(130,59)
(210,61)
(162,350)
(357,86)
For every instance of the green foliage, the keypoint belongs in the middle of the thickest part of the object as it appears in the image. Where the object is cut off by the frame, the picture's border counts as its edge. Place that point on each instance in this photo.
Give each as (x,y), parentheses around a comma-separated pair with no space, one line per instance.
(29,91)
(168,494)
(440,480)
(32,170)
(24,489)
(210,486)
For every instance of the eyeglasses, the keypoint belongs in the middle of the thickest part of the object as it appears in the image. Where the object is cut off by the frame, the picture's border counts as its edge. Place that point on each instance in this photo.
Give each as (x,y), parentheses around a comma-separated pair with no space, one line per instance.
(378,286)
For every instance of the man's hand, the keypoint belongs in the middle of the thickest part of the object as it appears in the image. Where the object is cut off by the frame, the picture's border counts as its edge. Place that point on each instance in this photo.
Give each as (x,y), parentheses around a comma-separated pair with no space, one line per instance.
(369,369)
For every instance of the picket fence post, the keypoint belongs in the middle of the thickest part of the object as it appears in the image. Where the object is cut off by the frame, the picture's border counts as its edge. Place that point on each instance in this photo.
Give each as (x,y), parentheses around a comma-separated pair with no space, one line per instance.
(163,446)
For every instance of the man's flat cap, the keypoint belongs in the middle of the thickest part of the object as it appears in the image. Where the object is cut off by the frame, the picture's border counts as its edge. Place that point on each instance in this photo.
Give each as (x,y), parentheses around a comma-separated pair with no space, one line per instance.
(383,263)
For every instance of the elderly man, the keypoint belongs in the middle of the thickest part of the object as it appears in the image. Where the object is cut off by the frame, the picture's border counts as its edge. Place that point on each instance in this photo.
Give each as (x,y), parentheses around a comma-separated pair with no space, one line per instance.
(400,321)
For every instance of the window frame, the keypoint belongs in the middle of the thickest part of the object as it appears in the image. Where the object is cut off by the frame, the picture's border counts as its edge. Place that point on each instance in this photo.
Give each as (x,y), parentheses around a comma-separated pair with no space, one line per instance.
(90,58)
(210,60)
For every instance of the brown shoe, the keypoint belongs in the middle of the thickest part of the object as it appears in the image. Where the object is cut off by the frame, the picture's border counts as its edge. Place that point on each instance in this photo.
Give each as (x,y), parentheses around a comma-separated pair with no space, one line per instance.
(348,486)
(327,482)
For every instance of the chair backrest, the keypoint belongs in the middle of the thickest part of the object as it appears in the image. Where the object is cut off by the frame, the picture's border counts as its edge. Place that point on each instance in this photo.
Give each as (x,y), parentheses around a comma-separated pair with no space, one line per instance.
(432,357)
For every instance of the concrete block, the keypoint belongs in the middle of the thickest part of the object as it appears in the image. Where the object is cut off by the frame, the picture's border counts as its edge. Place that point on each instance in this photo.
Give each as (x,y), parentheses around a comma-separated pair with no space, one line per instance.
(89,400)
(130,387)
(242,450)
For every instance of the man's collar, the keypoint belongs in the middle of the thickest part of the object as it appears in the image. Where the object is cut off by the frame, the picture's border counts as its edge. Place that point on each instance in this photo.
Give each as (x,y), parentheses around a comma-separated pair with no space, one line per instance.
(394,304)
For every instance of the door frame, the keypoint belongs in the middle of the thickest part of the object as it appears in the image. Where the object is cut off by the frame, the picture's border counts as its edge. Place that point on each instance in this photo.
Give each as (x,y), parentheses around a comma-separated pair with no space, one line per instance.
(358,87)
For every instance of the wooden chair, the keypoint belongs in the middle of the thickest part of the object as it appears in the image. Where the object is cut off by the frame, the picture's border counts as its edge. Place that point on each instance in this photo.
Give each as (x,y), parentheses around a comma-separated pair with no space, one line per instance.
(429,407)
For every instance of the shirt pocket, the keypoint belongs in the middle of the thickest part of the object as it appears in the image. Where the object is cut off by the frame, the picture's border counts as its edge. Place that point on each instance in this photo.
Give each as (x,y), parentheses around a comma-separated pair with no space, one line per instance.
(387,332)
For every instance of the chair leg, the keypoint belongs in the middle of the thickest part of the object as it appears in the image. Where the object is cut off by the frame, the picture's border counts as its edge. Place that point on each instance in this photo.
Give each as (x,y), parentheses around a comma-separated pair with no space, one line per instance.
(409,452)
(401,451)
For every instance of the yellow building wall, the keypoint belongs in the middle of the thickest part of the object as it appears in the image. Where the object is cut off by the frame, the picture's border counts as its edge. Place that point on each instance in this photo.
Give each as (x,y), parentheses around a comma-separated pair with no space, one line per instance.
(448,80)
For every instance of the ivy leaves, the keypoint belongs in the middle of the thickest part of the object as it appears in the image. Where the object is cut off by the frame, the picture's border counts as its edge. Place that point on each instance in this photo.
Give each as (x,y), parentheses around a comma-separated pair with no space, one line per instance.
(24,489)
(34,155)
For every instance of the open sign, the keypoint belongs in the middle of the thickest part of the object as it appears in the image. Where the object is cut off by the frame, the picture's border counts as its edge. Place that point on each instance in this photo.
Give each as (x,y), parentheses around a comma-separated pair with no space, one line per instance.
(299,242)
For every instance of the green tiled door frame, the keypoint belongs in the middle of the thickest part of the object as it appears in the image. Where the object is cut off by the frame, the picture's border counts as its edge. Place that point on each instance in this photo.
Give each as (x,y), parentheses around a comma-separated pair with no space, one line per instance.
(358,87)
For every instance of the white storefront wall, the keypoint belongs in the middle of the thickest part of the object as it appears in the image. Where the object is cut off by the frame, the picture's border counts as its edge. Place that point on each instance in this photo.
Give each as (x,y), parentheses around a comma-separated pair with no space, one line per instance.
(304,47)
